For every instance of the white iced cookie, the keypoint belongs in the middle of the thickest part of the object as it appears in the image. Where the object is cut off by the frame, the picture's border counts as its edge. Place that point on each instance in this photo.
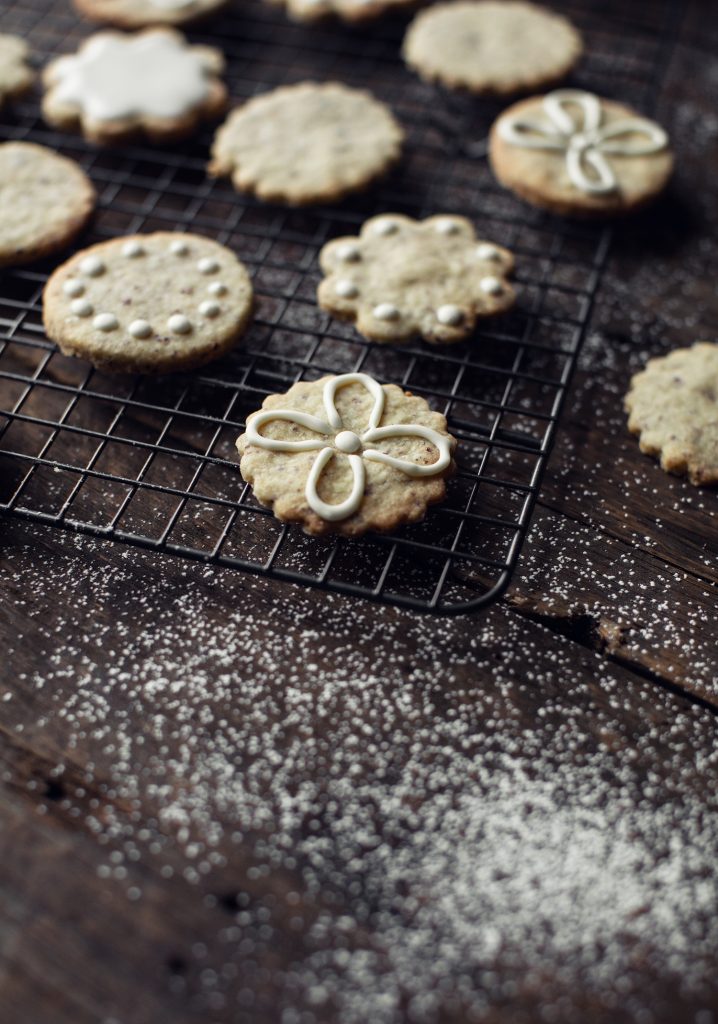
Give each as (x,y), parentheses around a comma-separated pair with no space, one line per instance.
(16,76)
(149,303)
(117,85)
(131,14)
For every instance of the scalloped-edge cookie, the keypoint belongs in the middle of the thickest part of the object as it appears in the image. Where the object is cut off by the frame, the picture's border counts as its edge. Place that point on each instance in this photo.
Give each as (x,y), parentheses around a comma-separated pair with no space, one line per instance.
(16,77)
(346,454)
(119,85)
(491,46)
(307,143)
(404,278)
(673,406)
(151,303)
(133,14)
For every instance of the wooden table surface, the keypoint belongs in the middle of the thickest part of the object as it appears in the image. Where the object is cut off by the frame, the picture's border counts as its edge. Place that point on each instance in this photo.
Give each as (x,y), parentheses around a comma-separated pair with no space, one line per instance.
(229,799)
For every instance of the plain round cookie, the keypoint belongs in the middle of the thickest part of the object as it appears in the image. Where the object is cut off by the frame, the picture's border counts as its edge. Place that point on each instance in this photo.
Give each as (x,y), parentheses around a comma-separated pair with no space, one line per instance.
(307,143)
(542,176)
(15,75)
(389,496)
(133,14)
(121,85)
(45,201)
(491,46)
(351,11)
(673,406)
(148,303)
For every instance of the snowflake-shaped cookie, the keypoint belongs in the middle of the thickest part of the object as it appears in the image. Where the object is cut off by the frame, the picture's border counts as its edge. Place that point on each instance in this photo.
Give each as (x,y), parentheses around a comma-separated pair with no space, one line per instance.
(402,278)
(346,454)
(118,84)
(15,75)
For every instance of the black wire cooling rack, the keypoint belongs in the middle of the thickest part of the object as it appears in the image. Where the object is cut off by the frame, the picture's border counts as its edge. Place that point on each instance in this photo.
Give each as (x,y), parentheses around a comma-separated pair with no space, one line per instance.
(152,461)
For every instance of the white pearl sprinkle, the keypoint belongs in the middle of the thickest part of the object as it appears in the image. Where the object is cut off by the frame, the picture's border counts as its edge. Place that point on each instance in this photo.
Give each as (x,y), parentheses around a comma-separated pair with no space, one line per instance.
(385,227)
(488,252)
(105,322)
(450,315)
(179,324)
(132,250)
(73,287)
(346,289)
(207,265)
(209,308)
(179,248)
(491,285)
(348,253)
(385,311)
(217,288)
(81,307)
(140,329)
(447,227)
(92,266)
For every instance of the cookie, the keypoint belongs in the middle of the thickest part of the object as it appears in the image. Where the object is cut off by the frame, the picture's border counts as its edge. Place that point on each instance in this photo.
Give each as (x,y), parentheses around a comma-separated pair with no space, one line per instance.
(45,201)
(346,454)
(118,86)
(307,143)
(491,46)
(142,13)
(673,406)
(577,155)
(148,303)
(403,278)
(350,11)
(15,75)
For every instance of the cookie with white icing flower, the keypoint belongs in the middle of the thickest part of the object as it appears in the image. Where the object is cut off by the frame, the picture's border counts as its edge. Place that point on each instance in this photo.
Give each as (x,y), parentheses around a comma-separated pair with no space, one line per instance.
(403,278)
(151,303)
(346,454)
(142,13)
(351,11)
(16,76)
(492,46)
(673,406)
(150,83)
(45,201)
(576,154)
(307,143)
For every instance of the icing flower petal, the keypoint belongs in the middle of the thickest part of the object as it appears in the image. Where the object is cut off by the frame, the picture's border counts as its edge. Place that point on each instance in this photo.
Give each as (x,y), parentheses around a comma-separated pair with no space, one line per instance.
(300,419)
(350,505)
(654,138)
(600,181)
(372,386)
(590,106)
(440,441)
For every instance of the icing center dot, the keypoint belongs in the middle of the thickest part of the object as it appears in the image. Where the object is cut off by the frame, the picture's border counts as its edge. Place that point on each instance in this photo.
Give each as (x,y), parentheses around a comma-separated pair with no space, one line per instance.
(347,441)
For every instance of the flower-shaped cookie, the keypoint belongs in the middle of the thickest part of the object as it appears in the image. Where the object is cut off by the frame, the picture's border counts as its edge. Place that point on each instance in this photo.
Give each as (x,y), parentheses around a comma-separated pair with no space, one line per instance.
(346,454)
(402,278)
(15,75)
(117,85)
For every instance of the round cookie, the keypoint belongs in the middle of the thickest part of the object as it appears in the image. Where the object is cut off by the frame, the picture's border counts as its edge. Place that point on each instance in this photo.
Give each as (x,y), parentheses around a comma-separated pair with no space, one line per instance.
(673,406)
(403,278)
(119,85)
(15,75)
(575,154)
(491,46)
(351,11)
(133,14)
(45,201)
(148,303)
(307,143)
(346,454)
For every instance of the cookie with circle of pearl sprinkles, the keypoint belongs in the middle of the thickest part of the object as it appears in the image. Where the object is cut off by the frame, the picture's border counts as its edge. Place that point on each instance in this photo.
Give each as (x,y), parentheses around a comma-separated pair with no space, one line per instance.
(346,454)
(403,278)
(153,303)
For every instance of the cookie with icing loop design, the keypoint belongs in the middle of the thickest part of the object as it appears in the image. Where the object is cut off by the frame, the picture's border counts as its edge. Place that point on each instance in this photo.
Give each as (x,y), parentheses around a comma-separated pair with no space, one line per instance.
(16,76)
(673,406)
(346,454)
(576,154)
(403,278)
(117,86)
(491,46)
(351,11)
(307,143)
(45,201)
(143,13)
(148,303)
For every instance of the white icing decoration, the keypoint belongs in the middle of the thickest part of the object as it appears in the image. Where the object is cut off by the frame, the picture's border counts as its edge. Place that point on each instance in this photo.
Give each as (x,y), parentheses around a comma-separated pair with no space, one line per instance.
(348,253)
(346,289)
(140,329)
(171,5)
(209,309)
(450,315)
(337,441)
(491,285)
(178,248)
(584,141)
(179,324)
(207,265)
(386,311)
(488,252)
(105,322)
(217,288)
(385,226)
(92,266)
(447,227)
(132,250)
(150,74)
(81,307)
(73,287)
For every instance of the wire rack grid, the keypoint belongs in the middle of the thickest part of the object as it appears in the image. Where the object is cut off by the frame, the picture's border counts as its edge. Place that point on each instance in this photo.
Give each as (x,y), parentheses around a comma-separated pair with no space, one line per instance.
(152,461)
